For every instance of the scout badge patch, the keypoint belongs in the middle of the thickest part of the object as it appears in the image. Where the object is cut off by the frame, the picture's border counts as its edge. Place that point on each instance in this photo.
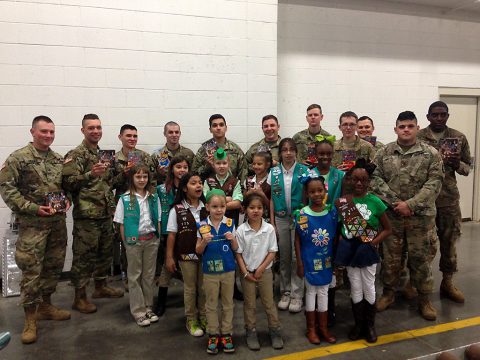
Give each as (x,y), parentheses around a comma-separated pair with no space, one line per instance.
(354,221)
(204,228)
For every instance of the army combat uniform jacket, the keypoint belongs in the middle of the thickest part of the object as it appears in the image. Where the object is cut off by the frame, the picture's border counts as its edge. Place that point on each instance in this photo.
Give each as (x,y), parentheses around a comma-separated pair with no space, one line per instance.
(305,141)
(363,150)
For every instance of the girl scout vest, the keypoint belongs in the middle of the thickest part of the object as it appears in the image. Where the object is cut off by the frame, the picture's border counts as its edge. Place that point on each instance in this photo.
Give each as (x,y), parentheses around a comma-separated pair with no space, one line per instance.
(278,190)
(218,255)
(228,187)
(186,239)
(132,216)
(316,241)
(166,200)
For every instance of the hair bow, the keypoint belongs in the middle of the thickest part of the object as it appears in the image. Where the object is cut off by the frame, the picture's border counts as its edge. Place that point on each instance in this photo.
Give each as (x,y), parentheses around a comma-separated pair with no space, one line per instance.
(330,138)
(307,176)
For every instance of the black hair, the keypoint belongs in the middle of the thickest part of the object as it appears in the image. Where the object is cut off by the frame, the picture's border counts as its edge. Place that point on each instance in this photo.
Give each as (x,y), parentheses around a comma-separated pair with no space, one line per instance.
(320,179)
(406,115)
(39,118)
(324,141)
(215,117)
(252,195)
(437,104)
(282,143)
(314,106)
(347,114)
(269,117)
(169,181)
(266,155)
(182,195)
(364,117)
(361,163)
(127,127)
(89,117)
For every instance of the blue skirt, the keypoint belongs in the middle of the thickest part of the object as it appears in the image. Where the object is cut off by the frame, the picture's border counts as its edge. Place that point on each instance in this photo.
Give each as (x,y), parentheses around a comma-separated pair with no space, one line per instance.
(355,253)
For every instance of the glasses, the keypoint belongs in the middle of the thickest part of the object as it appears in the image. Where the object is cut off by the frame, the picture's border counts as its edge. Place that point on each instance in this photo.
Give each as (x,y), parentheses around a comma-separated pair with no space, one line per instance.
(348,125)
(439,115)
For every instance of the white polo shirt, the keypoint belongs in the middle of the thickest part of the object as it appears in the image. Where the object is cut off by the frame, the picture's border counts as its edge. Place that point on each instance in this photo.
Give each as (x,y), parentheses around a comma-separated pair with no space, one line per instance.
(172,216)
(255,245)
(145,225)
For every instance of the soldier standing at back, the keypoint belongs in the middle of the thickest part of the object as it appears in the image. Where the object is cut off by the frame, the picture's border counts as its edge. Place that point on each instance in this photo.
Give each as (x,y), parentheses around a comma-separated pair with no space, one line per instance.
(453,147)
(408,178)
(90,181)
(26,177)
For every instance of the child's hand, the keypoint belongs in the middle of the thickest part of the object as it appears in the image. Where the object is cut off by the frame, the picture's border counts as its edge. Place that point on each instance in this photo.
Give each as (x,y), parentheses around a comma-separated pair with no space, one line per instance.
(207,237)
(229,199)
(250,277)
(170,265)
(229,236)
(300,271)
(258,274)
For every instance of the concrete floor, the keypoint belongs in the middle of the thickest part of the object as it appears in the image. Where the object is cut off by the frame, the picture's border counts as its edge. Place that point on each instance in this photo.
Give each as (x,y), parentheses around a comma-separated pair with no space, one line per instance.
(111,333)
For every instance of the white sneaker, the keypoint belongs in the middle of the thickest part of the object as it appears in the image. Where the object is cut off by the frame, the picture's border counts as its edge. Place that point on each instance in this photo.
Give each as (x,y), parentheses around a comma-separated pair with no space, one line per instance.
(194,328)
(142,321)
(151,316)
(284,301)
(295,305)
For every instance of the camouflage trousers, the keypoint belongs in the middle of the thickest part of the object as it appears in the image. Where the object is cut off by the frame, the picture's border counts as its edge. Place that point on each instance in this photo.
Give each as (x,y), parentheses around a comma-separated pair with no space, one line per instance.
(448,222)
(40,254)
(92,250)
(418,234)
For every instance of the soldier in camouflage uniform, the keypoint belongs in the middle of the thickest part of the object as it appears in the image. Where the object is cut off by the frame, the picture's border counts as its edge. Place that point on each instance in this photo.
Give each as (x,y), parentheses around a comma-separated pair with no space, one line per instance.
(202,163)
(350,141)
(306,139)
(365,128)
(129,138)
(448,218)
(26,177)
(90,181)
(269,143)
(163,156)
(408,178)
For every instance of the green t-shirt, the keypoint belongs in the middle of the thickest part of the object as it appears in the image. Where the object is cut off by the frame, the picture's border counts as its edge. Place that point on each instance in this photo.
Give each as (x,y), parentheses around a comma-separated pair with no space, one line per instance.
(371,208)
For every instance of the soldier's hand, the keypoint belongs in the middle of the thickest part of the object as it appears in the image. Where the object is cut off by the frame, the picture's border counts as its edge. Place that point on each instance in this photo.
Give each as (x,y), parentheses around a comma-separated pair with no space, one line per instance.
(98,169)
(453,160)
(162,170)
(401,208)
(127,168)
(170,265)
(44,211)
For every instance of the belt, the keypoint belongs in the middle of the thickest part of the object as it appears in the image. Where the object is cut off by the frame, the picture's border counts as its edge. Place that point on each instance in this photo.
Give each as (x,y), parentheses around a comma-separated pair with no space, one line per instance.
(148,236)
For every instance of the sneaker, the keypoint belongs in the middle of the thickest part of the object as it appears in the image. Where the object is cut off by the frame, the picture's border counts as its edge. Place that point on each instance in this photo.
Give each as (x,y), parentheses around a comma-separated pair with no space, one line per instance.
(284,301)
(151,316)
(194,328)
(212,347)
(143,321)
(203,323)
(252,339)
(276,338)
(295,305)
(227,344)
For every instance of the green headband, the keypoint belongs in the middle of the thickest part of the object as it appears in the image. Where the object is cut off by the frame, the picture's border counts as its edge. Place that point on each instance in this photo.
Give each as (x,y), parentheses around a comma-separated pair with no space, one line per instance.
(214,192)
(220,154)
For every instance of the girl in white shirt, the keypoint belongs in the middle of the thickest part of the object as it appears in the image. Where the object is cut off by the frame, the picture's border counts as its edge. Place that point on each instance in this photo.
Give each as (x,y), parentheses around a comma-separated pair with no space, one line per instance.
(138,212)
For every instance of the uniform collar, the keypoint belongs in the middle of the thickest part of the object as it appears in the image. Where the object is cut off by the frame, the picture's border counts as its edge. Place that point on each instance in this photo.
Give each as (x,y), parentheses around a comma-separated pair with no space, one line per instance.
(263,227)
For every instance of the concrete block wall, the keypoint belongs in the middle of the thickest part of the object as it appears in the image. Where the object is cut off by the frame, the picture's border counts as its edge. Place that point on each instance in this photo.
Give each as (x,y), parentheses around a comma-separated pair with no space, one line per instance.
(143,63)
(375,58)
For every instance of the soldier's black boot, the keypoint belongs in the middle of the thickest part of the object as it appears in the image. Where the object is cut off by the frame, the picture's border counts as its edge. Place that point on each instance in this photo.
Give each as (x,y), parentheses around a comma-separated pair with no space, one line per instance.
(161,301)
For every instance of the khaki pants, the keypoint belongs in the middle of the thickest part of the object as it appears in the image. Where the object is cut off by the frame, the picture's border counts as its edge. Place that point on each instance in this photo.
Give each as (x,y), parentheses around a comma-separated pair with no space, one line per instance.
(142,260)
(215,285)
(265,288)
(193,293)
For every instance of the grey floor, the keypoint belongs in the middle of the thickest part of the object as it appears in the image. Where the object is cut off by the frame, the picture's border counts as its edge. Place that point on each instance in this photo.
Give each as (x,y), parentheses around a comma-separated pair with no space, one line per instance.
(111,333)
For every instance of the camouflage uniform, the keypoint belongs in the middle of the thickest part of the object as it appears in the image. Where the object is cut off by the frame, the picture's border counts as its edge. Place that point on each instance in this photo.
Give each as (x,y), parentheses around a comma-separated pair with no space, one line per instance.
(94,205)
(378,146)
(363,149)
(413,176)
(238,165)
(25,178)
(273,146)
(182,150)
(305,141)
(448,217)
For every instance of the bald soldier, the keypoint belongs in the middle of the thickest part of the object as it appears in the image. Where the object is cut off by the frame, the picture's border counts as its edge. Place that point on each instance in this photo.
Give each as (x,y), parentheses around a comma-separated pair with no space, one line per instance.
(26,177)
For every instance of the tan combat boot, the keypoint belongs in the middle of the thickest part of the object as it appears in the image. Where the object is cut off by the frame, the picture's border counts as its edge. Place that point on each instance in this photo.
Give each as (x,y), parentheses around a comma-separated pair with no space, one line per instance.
(104,291)
(426,308)
(387,299)
(29,334)
(409,292)
(46,311)
(81,303)
(448,290)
